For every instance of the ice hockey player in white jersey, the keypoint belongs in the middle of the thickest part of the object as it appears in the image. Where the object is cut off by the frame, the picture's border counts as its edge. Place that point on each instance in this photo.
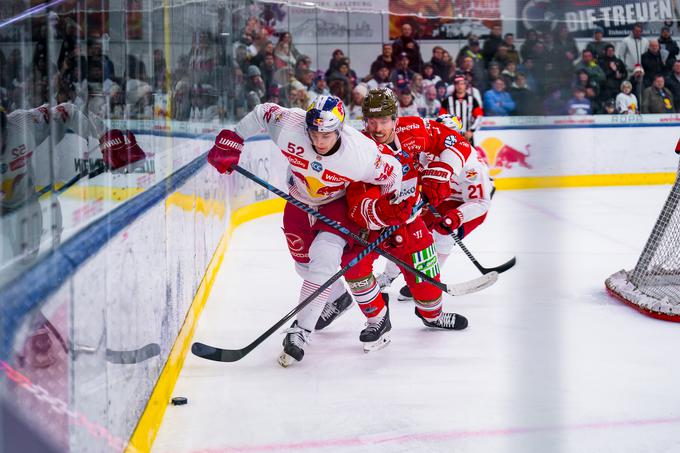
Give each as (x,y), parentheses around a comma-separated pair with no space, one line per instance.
(461,212)
(323,158)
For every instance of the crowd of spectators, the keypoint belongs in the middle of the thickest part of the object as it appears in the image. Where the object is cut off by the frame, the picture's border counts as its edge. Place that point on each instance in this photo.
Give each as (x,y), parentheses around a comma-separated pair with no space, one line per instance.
(85,74)
(545,75)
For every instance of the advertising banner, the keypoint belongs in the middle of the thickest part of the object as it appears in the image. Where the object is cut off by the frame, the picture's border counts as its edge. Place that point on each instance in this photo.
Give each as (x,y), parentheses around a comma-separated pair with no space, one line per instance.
(615,17)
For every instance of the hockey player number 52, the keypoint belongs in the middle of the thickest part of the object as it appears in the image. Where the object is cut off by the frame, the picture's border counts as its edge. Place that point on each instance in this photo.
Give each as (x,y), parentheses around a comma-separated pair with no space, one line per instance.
(475,191)
(292,149)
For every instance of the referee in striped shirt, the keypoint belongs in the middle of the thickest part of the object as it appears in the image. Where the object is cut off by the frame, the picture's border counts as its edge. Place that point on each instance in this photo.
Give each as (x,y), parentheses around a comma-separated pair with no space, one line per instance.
(465,106)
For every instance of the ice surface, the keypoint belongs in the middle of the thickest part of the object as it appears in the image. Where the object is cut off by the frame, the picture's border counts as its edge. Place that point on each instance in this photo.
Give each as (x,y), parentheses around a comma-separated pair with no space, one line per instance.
(550,363)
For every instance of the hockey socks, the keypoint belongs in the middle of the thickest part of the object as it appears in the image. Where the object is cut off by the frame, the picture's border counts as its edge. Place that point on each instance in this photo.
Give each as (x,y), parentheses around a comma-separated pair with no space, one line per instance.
(367,294)
(429,310)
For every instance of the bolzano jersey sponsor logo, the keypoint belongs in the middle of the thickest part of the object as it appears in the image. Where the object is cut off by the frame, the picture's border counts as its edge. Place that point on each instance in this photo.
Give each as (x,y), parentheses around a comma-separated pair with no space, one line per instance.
(405,169)
(408,127)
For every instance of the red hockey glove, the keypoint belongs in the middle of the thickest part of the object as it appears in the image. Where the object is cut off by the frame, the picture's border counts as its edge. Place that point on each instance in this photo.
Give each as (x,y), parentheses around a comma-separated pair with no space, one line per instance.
(226,152)
(450,222)
(119,150)
(371,210)
(435,182)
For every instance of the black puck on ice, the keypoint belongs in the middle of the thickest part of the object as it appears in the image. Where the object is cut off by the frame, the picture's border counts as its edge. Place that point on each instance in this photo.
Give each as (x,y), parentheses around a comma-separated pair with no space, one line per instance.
(179,401)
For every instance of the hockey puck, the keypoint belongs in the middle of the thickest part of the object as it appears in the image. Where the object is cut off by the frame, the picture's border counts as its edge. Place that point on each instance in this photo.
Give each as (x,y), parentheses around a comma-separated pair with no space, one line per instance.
(179,401)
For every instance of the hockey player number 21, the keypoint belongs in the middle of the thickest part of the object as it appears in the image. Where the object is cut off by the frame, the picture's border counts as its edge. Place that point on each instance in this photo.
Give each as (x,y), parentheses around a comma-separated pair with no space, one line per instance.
(475,191)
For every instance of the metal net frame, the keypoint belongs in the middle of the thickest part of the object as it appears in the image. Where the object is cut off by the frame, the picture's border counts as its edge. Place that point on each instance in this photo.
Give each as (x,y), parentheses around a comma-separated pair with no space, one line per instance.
(653,286)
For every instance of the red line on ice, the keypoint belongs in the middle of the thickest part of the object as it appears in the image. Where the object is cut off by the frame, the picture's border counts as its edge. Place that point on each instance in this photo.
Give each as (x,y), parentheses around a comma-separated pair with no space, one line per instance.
(434,436)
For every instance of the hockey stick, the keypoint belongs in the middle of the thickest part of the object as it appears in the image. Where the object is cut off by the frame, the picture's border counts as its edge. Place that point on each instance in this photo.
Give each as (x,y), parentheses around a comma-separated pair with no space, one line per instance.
(232,355)
(68,184)
(457,289)
(484,270)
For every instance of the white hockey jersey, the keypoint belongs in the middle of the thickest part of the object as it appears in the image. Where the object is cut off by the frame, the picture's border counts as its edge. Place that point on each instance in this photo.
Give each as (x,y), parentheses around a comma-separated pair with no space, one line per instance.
(472,187)
(312,178)
(26,129)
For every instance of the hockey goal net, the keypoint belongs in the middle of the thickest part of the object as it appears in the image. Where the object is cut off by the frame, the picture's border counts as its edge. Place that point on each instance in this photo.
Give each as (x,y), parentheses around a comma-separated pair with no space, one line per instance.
(653,286)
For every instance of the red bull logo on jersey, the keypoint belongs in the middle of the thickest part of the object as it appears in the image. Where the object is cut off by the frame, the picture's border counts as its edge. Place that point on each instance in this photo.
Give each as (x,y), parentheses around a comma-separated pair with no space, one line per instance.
(501,155)
(471,174)
(327,191)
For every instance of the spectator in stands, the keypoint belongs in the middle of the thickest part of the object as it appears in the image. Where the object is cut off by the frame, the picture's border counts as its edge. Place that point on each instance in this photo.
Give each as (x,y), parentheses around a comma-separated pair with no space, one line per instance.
(439,68)
(654,61)
(381,78)
(343,74)
(417,88)
(429,77)
(406,43)
(673,85)
(297,95)
(287,38)
(402,71)
(429,106)
(563,55)
(509,74)
(267,49)
(492,43)
(553,105)
(95,52)
(407,105)
(319,87)
(338,55)
(657,98)
(668,44)
(598,46)
(307,79)
(638,81)
(501,56)
(626,102)
(302,65)
(609,107)
(471,49)
(474,71)
(339,88)
(358,94)
(442,90)
(493,74)
(614,71)
(526,101)
(283,56)
(631,48)
(159,71)
(449,64)
(579,104)
(527,68)
(385,59)
(527,48)
(497,101)
(268,69)
(589,64)
(509,41)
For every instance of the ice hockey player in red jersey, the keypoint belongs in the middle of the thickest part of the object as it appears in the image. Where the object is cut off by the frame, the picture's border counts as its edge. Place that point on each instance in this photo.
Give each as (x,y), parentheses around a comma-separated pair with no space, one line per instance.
(407,139)
(463,211)
(324,158)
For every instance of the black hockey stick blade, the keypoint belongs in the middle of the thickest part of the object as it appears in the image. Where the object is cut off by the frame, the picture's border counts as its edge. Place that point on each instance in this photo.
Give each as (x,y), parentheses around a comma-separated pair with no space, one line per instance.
(218,354)
(134,356)
(498,269)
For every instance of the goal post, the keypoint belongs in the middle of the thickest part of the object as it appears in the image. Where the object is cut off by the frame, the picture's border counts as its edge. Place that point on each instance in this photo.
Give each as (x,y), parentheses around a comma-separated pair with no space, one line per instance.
(653,286)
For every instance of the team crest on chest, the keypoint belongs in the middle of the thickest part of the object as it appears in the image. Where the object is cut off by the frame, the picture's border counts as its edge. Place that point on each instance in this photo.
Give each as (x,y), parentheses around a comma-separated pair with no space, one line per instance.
(450,141)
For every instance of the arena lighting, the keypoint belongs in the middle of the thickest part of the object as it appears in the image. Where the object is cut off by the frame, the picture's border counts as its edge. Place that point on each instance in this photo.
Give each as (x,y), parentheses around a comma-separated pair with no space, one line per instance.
(30,11)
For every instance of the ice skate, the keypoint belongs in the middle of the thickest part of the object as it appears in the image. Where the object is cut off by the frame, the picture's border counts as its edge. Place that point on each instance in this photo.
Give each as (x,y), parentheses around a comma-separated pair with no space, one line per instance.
(449,321)
(376,334)
(405,295)
(333,310)
(384,280)
(293,345)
